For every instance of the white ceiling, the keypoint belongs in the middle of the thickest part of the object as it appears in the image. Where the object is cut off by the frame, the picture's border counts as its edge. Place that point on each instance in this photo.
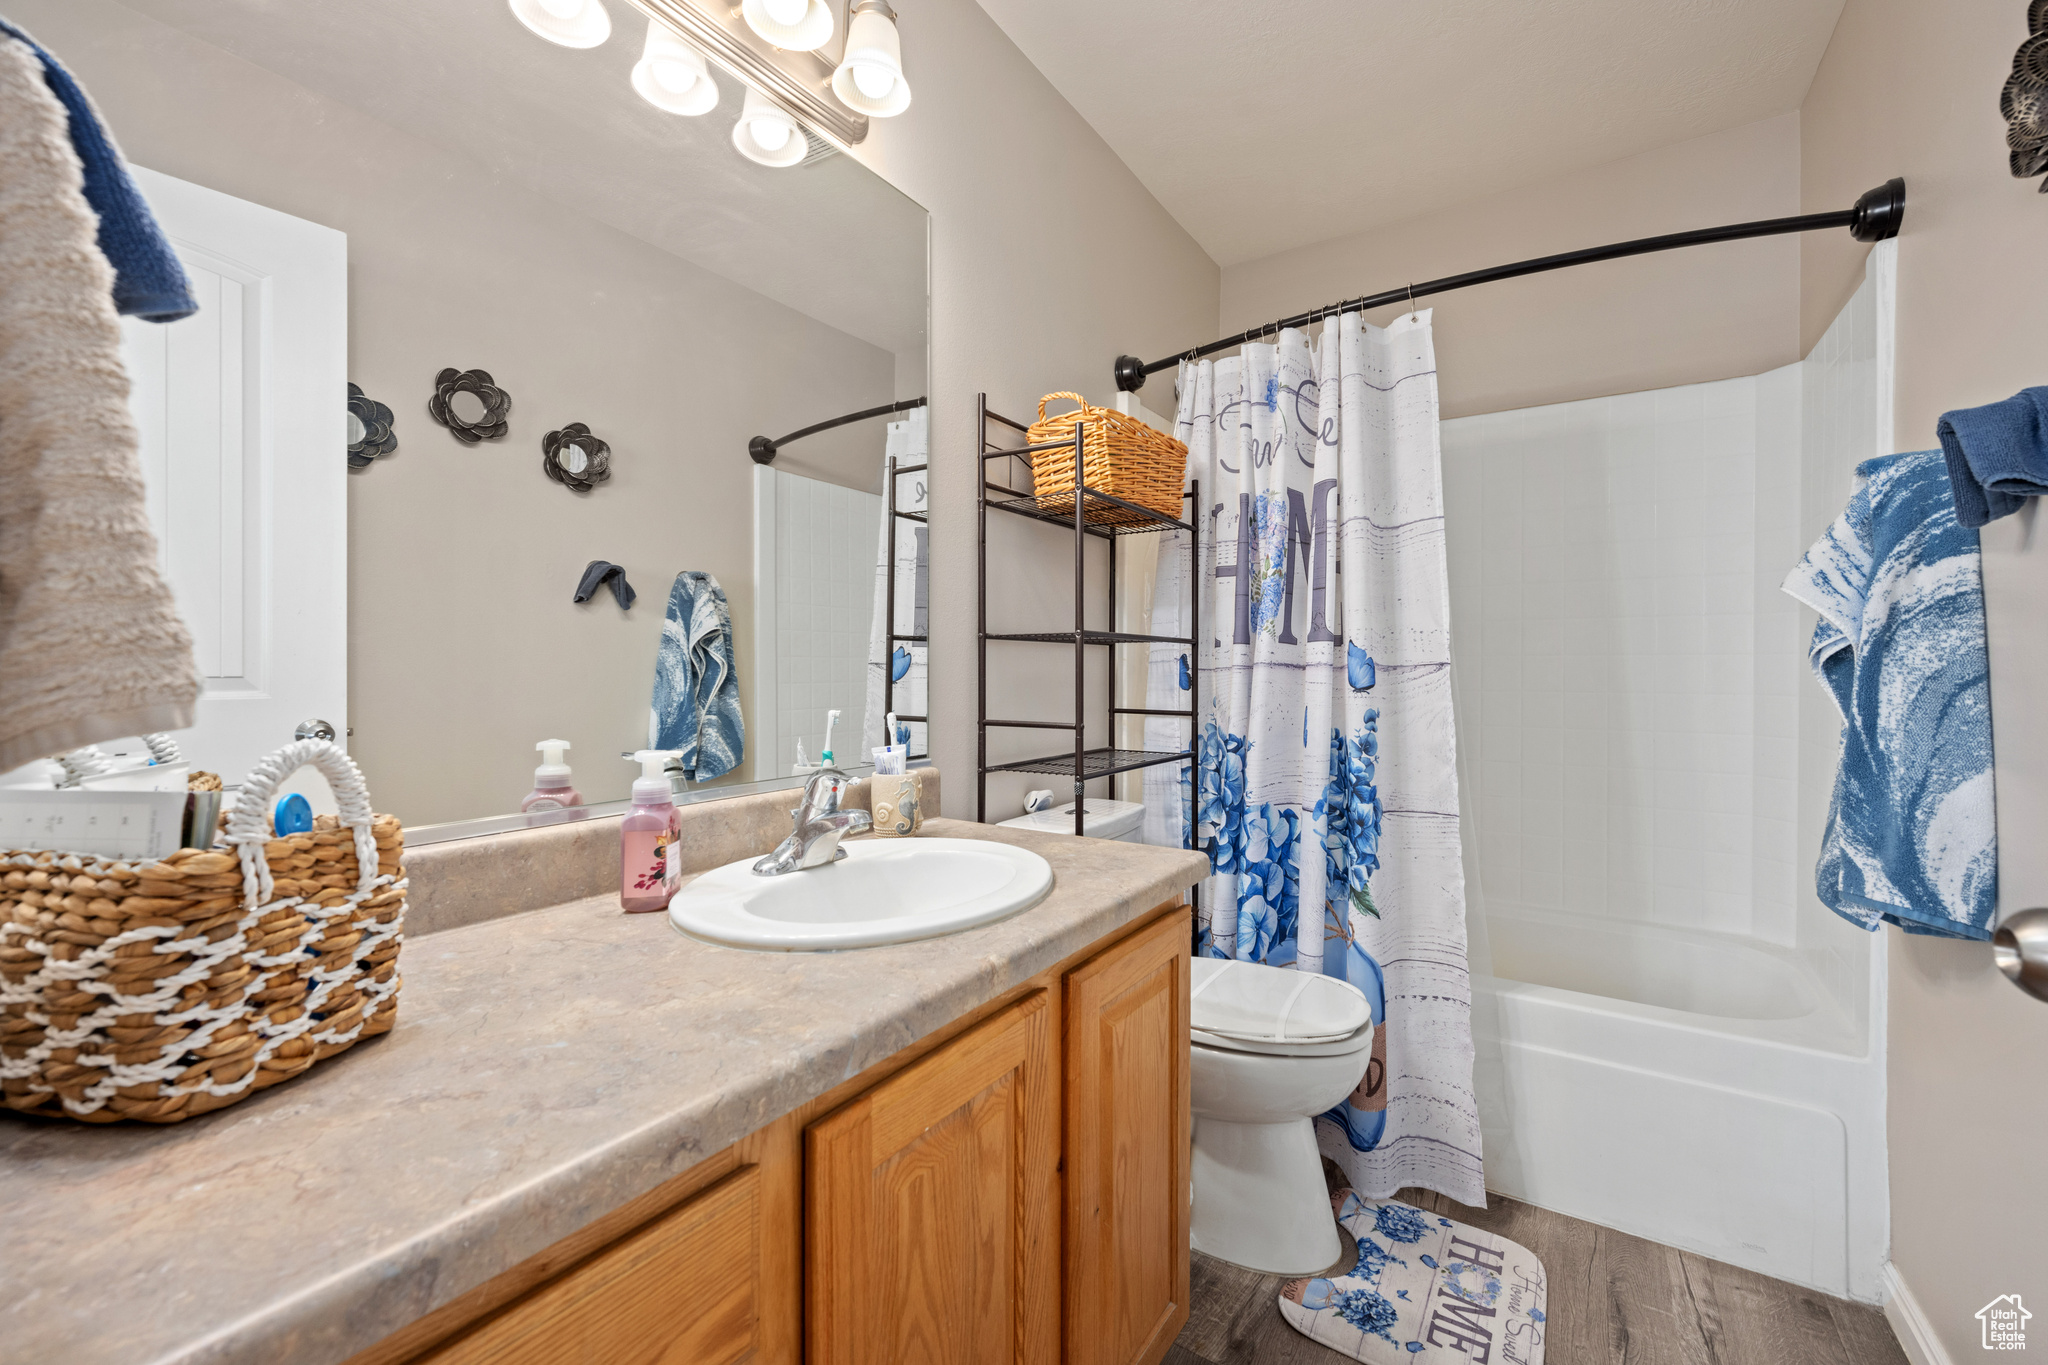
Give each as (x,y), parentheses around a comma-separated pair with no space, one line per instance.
(831,239)
(1267,125)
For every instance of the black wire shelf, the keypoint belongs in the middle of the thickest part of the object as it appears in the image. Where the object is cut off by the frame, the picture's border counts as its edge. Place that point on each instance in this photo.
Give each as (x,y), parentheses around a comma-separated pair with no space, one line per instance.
(1092,637)
(1094,762)
(1057,509)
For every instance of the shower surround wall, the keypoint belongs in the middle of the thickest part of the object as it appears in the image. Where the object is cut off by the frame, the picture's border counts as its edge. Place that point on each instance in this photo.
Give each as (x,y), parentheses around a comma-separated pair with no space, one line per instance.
(1674,1036)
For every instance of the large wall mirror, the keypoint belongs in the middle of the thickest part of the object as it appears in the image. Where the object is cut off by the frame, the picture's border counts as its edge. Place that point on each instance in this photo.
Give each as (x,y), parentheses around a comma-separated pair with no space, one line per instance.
(478,321)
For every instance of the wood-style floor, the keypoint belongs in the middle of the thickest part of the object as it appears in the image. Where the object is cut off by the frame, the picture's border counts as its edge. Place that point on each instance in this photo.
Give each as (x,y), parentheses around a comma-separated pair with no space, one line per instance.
(1614,1300)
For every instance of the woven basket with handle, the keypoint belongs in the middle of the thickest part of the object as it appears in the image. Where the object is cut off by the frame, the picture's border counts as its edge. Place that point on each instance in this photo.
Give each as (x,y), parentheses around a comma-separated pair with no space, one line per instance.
(1120,456)
(159,990)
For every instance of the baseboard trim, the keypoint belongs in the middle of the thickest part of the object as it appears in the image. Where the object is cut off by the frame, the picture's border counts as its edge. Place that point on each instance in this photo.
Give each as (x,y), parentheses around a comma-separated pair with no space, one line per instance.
(1909,1323)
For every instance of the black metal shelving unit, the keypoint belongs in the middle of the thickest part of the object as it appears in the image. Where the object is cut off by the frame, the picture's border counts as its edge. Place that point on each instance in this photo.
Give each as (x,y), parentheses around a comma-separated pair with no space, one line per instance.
(1068,512)
(890,471)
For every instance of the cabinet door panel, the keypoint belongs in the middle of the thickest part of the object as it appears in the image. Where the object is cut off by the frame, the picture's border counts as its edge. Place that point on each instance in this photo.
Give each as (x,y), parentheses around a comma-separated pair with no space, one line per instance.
(932,1213)
(1127,1148)
(685,1290)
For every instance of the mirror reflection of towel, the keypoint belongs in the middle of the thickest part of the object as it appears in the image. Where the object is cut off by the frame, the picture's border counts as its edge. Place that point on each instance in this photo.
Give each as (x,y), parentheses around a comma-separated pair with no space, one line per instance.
(696,711)
(600,572)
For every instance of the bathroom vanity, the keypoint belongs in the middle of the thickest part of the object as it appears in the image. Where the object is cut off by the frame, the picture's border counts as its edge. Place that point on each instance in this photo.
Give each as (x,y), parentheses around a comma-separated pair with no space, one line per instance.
(592,1138)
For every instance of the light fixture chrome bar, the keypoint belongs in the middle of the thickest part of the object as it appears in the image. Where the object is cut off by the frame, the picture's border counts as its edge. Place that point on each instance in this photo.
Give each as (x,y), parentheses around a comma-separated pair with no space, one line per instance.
(733,47)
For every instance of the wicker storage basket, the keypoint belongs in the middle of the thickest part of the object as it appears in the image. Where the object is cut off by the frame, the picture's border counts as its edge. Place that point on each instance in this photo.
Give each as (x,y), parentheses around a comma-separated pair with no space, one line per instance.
(160,990)
(1120,456)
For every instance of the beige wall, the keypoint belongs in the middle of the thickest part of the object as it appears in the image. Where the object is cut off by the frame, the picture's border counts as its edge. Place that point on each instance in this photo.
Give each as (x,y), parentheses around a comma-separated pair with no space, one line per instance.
(464,647)
(1048,260)
(1645,322)
(1911,89)
(1617,327)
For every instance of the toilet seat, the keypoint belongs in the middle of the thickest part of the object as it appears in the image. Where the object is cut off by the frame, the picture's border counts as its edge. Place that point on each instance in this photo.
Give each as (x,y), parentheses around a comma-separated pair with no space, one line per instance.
(1336,1047)
(1282,1009)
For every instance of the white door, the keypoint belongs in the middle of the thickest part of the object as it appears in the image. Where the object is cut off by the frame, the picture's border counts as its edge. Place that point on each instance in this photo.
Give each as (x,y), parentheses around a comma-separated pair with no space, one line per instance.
(243,420)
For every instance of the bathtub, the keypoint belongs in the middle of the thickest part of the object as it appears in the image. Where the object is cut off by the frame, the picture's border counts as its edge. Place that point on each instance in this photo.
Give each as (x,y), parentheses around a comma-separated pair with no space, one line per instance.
(1701,1090)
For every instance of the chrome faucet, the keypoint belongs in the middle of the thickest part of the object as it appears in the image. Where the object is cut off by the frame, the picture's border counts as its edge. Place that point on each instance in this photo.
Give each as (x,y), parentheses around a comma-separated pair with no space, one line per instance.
(820,825)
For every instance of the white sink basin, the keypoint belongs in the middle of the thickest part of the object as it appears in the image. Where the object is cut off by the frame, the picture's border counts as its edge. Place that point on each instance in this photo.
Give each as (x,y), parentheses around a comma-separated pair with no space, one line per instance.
(883,891)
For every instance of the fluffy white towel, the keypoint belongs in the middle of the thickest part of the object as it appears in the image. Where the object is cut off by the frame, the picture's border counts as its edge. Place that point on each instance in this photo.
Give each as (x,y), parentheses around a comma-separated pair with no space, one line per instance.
(91,644)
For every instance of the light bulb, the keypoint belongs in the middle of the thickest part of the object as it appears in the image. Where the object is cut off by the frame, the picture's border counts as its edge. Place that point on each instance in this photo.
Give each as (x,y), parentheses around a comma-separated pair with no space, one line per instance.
(873,80)
(767,134)
(673,77)
(869,79)
(792,25)
(671,74)
(572,23)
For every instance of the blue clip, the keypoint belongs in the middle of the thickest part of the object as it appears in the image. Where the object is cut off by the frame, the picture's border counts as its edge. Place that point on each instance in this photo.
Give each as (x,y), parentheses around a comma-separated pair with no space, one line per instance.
(294,815)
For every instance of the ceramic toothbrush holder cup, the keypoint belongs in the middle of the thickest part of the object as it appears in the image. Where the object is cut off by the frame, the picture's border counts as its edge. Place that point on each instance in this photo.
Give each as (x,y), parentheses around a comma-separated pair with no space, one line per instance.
(892,801)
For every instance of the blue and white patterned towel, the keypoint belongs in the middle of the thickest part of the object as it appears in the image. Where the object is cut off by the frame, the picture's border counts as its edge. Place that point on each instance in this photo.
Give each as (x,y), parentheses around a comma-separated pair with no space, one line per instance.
(1911,836)
(696,708)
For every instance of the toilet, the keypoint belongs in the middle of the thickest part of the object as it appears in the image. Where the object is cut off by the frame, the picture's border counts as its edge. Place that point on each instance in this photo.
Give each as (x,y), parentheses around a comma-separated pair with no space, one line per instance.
(1102,819)
(1270,1048)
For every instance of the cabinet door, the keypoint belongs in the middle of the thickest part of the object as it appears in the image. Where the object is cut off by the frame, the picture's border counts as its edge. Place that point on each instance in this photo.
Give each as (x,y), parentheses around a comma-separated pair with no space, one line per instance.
(931,1212)
(684,1290)
(1127,1148)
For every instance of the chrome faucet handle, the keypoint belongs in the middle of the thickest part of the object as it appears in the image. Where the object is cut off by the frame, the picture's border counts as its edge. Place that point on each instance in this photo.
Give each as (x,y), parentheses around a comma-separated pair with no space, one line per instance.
(820,825)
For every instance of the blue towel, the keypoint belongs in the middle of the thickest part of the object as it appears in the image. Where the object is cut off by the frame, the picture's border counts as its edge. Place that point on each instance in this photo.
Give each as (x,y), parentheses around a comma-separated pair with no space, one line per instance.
(149,280)
(696,689)
(1997,455)
(1910,836)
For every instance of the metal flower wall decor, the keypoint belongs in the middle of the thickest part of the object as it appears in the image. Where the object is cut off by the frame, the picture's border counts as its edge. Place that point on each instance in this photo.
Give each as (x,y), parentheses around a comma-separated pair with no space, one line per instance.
(576,459)
(369,429)
(480,417)
(2024,101)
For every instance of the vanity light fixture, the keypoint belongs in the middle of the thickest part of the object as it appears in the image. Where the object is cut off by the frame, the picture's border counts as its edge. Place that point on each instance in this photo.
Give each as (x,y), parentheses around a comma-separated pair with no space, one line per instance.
(769,134)
(795,25)
(572,23)
(870,76)
(671,74)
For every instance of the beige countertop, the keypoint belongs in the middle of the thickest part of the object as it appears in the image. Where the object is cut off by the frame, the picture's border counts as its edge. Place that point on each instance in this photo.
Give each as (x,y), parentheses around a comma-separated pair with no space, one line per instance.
(546,1068)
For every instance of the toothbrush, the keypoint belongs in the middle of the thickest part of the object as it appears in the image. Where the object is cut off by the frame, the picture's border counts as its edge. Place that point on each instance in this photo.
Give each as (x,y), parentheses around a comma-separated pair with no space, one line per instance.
(831,719)
(889,740)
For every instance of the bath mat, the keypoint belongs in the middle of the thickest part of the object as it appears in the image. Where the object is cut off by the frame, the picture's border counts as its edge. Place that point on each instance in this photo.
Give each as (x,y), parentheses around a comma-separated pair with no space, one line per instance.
(1425,1291)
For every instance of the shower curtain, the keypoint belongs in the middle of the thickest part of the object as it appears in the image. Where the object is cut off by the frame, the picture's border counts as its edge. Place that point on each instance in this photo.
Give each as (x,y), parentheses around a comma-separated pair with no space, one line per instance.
(904,660)
(1326,779)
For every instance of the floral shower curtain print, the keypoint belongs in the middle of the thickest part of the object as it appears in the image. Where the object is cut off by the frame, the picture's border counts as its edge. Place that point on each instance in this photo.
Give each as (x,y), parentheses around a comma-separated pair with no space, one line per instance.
(1326,782)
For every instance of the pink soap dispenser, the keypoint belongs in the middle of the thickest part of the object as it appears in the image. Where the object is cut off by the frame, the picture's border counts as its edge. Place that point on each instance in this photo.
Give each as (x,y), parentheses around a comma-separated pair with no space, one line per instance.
(553,798)
(650,862)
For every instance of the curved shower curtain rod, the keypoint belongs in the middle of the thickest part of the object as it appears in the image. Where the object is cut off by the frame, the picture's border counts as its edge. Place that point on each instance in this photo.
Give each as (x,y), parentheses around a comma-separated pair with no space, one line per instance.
(763,450)
(1875,218)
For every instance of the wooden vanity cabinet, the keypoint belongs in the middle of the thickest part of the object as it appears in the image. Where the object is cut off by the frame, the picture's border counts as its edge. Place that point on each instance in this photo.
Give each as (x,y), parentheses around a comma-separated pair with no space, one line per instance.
(931,1206)
(1127,1149)
(1012,1191)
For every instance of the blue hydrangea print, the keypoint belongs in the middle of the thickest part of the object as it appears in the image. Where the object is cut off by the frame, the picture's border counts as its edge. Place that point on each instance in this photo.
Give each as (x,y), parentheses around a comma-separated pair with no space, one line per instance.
(1268,884)
(1399,1223)
(1367,1311)
(1348,813)
(1269,561)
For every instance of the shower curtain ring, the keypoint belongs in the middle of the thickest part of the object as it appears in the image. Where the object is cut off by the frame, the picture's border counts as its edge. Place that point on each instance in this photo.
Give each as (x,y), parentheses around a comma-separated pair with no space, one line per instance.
(1411,298)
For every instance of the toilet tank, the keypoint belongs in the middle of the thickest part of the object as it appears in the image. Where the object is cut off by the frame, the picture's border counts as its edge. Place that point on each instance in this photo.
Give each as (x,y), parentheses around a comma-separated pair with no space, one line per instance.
(1102,819)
